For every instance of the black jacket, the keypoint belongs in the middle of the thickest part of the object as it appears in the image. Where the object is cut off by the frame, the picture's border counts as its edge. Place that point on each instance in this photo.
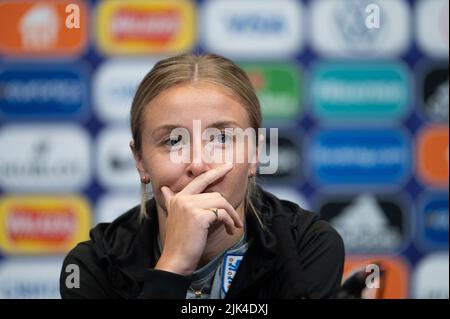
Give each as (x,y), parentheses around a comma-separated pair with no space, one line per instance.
(298,255)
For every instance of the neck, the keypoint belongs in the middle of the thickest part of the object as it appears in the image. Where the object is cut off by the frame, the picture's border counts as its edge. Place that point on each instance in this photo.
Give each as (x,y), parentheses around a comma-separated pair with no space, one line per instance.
(218,239)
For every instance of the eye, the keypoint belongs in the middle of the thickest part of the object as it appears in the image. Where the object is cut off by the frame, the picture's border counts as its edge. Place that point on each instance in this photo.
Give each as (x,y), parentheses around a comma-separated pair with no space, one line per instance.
(222,138)
(173,141)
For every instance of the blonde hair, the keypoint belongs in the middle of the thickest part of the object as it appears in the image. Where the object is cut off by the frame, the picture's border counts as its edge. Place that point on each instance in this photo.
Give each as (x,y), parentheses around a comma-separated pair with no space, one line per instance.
(191,68)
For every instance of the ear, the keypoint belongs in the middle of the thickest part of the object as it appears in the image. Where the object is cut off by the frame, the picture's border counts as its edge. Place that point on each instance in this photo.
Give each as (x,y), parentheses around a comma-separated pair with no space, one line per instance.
(254,164)
(137,159)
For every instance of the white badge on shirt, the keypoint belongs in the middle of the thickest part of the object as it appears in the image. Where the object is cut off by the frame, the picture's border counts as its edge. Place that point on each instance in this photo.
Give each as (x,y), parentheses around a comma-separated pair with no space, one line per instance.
(230,266)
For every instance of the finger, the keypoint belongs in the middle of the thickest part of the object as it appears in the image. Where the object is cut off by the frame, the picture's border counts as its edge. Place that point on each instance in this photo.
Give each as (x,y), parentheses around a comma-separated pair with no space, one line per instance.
(205,196)
(215,200)
(167,193)
(226,220)
(202,181)
(224,204)
(222,217)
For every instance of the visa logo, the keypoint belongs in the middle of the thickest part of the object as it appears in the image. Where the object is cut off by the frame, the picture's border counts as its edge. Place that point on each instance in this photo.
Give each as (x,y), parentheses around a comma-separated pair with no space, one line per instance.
(256,23)
(253,28)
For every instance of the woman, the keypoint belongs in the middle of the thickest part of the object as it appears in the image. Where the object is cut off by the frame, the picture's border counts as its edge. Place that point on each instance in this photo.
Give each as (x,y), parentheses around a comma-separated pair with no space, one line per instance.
(209,231)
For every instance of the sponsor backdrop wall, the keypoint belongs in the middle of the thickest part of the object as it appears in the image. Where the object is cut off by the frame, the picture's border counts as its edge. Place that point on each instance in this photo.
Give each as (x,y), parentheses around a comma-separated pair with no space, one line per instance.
(362,116)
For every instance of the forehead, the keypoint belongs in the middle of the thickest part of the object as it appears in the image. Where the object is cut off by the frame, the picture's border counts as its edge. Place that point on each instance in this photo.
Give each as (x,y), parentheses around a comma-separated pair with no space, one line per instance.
(201,101)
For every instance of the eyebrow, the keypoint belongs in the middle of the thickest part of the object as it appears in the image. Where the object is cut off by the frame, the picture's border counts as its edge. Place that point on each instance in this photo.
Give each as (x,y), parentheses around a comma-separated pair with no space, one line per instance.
(218,125)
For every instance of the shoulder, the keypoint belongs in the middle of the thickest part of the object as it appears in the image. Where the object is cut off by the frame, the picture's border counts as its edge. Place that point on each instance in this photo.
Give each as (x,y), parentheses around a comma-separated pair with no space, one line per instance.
(102,236)
(310,251)
(82,275)
(111,238)
(95,260)
(313,231)
(82,253)
(307,228)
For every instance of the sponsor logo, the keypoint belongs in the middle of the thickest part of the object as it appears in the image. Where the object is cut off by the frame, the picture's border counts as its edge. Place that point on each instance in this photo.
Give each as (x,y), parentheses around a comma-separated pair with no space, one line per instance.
(115,84)
(37,28)
(430,278)
(435,94)
(30,278)
(363,91)
(278,89)
(367,224)
(360,157)
(39,91)
(433,222)
(394,275)
(41,225)
(339,28)
(432,155)
(253,28)
(432,27)
(138,27)
(115,163)
(44,158)
(111,206)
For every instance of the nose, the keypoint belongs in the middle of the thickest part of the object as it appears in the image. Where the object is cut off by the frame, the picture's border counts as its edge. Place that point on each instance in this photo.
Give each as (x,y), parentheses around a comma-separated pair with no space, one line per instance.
(194,169)
(199,164)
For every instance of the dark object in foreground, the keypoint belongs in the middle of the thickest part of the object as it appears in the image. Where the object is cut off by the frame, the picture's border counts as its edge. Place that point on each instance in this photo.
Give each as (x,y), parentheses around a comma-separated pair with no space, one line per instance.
(353,287)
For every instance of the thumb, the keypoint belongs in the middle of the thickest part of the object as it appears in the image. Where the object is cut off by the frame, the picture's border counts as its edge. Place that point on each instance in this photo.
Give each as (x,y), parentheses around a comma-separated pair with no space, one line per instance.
(167,193)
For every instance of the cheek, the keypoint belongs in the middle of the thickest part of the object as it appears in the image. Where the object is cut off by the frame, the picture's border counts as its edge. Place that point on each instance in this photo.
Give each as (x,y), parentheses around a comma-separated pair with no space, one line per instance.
(164,173)
(236,183)
(166,176)
(245,152)
(161,170)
